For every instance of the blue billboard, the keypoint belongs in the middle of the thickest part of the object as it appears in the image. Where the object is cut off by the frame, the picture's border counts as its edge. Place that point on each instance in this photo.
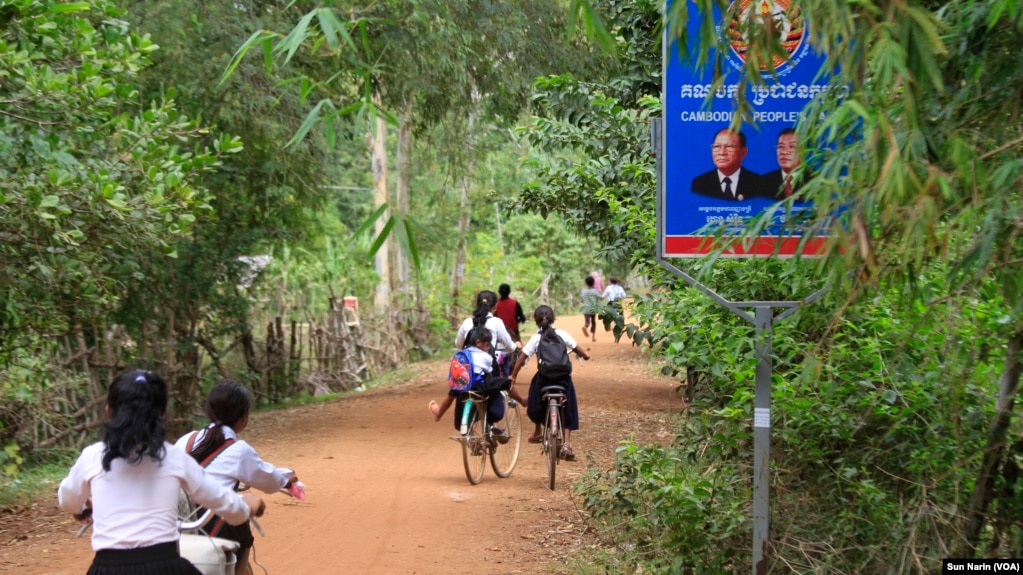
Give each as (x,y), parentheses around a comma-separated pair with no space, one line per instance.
(718,173)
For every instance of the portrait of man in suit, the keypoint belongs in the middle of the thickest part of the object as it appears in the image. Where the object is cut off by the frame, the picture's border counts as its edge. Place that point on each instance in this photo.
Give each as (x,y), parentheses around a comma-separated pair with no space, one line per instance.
(728,180)
(783,183)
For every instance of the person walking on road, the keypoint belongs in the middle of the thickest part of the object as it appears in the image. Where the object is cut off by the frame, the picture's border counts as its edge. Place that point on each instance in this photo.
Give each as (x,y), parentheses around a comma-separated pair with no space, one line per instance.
(614,294)
(591,304)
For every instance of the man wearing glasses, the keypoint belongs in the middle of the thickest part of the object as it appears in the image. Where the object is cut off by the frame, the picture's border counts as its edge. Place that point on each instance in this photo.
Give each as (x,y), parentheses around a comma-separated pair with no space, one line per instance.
(729,180)
(783,183)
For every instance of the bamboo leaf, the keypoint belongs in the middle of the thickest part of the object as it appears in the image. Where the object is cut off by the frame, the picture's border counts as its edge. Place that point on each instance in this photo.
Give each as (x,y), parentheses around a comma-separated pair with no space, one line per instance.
(293,41)
(310,120)
(257,37)
(380,239)
(371,220)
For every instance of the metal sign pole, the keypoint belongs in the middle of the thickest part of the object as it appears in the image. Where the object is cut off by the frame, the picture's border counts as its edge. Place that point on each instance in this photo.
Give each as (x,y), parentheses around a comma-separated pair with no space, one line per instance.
(762,439)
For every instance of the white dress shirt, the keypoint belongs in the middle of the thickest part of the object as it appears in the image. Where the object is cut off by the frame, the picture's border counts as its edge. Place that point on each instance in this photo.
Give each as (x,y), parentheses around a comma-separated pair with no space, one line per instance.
(614,292)
(733,182)
(501,340)
(239,462)
(534,342)
(482,361)
(137,505)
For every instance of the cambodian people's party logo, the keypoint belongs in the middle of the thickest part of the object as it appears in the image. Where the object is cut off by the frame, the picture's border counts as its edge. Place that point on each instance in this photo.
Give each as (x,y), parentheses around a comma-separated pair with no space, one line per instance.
(784,17)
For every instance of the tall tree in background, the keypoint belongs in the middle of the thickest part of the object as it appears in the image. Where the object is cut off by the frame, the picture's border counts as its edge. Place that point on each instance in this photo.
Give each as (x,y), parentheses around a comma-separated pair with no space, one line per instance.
(266,196)
(445,62)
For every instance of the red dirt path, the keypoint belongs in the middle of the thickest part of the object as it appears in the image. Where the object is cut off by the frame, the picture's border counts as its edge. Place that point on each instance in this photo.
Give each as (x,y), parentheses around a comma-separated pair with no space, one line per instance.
(386,492)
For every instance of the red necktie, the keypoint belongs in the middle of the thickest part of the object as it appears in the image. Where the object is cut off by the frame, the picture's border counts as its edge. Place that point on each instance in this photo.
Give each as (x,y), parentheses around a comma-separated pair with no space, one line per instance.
(788,185)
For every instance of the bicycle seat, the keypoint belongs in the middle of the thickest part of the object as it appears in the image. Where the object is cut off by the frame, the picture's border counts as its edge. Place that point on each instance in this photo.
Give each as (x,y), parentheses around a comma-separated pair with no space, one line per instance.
(552,389)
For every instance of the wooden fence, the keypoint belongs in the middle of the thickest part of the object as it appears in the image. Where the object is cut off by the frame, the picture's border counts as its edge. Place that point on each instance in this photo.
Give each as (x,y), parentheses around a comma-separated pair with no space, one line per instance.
(333,353)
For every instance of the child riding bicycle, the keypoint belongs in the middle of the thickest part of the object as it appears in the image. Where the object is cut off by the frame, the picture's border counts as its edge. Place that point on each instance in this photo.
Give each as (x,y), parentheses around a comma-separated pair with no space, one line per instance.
(501,340)
(482,363)
(230,460)
(544,317)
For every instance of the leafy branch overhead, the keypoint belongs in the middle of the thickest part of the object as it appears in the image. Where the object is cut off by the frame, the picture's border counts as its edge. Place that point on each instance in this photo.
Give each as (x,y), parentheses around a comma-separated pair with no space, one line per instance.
(91,183)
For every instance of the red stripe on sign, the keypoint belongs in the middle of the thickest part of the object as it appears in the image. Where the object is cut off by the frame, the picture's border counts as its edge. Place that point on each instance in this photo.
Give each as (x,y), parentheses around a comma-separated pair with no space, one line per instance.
(762,246)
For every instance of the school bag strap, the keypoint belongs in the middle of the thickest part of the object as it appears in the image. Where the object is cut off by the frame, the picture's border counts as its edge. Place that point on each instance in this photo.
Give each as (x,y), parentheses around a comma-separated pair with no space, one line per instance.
(209,458)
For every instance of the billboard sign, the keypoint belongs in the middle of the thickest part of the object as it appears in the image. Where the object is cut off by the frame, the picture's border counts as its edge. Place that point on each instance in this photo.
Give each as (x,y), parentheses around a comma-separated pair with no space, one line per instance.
(715,178)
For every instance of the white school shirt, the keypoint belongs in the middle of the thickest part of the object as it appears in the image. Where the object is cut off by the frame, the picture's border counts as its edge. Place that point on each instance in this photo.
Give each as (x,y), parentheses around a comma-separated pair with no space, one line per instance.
(614,292)
(482,361)
(239,462)
(137,505)
(497,329)
(534,342)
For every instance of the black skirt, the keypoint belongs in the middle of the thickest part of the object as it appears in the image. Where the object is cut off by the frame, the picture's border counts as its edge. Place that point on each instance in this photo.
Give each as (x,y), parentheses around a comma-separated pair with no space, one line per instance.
(160,559)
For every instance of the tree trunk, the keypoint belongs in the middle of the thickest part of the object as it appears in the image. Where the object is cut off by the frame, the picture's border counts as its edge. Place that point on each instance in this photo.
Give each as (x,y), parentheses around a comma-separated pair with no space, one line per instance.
(458,273)
(975,516)
(403,159)
(378,151)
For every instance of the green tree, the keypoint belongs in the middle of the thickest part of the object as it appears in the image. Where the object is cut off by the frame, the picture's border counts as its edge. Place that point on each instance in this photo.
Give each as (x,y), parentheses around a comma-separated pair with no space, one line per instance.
(94,180)
(465,65)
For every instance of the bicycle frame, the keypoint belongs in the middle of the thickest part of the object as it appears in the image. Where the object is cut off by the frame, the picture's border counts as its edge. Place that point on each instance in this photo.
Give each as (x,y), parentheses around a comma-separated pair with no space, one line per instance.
(553,429)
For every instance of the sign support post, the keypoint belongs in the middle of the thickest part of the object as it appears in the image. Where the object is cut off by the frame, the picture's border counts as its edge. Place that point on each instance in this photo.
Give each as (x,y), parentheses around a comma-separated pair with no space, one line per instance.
(763,320)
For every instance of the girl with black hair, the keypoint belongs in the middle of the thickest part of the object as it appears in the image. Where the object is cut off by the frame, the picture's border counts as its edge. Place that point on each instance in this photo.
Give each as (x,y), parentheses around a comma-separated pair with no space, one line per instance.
(510,311)
(128,485)
(230,460)
(501,340)
(483,366)
(544,317)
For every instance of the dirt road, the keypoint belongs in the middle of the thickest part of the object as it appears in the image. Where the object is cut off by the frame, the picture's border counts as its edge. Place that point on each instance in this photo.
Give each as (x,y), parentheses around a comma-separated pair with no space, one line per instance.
(386,492)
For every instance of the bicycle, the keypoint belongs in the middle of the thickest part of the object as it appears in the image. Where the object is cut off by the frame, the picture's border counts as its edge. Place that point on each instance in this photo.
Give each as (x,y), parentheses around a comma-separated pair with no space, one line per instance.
(210,555)
(553,431)
(478,439)
(553,435)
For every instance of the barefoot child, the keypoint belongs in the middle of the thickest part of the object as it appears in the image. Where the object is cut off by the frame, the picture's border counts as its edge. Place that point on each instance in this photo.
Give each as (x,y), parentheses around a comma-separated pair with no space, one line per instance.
(544,317)
(483,368)
(591,304)
(482,363)
(129,483)
(230,460)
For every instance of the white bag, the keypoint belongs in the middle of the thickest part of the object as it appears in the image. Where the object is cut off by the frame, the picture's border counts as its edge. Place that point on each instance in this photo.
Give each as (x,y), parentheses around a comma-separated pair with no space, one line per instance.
(210,555)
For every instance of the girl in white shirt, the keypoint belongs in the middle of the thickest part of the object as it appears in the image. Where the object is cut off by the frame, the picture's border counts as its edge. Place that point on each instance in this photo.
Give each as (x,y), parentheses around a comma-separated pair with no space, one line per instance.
(230,460)
(129,483)
(500,340)
(544,317)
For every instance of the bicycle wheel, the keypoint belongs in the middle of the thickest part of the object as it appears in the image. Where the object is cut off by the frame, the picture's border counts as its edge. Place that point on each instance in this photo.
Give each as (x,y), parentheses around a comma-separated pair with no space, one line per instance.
(551,444)
(474,444)
(504,456)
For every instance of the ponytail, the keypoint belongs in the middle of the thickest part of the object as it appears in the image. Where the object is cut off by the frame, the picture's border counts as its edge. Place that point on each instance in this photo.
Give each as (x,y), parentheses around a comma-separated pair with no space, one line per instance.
(544,318)
(485,301)
(227,403)
(137,401)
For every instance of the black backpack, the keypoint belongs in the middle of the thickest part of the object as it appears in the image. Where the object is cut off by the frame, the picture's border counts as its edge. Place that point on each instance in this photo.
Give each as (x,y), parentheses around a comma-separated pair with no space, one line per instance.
(552,356)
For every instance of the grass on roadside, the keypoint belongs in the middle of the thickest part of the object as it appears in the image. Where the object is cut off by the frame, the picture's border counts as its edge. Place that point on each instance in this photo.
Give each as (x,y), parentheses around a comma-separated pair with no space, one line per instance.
(36,478)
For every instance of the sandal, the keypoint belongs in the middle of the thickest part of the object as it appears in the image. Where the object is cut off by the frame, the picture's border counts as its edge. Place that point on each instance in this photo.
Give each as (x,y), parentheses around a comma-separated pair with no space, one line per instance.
(535,439)
(435,409)
(567,454)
